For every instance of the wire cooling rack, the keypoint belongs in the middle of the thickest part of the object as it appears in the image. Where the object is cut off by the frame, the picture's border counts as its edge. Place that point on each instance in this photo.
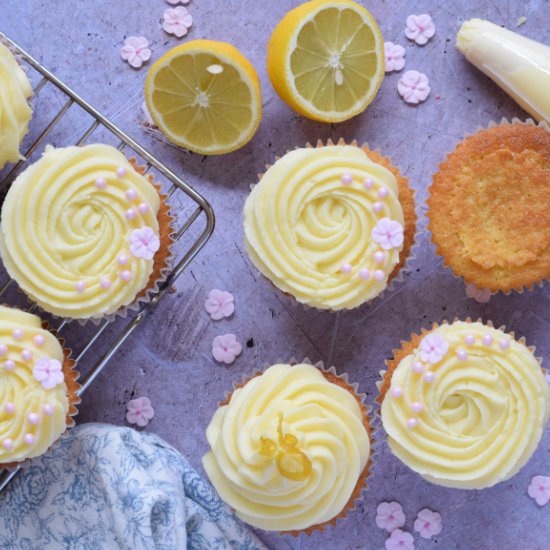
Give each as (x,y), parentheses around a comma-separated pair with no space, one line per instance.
(105,338)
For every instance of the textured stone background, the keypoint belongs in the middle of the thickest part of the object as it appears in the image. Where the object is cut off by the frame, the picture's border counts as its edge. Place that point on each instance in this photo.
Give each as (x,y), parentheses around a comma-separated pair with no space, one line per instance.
(169,357)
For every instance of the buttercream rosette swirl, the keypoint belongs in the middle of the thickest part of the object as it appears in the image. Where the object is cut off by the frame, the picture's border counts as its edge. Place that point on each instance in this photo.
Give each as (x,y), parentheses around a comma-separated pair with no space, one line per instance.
(290,448)
(37,387)
(79,231)
(15,112)
(464,405)
(326,226)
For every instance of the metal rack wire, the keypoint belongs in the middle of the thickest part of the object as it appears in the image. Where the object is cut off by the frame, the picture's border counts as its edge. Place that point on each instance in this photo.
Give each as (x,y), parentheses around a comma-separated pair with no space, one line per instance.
(193,243)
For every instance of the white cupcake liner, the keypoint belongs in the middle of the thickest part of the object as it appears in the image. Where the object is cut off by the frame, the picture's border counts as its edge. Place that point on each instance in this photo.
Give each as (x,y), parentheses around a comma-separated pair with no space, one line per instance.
(492,124)
(397,279)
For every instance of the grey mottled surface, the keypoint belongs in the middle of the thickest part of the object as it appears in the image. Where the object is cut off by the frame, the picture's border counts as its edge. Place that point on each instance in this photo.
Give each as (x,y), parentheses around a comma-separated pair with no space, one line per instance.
(169,358)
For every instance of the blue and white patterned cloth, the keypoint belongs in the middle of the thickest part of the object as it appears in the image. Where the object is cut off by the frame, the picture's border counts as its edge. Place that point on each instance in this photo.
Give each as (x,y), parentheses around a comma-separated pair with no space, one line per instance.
(105,487)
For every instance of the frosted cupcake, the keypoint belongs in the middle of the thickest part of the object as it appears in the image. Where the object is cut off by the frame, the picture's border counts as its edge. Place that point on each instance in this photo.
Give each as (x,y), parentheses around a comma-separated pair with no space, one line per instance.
(37,387)
(488,208)
(331,226)
(96,235)
(464,404)
(15,113)
(290,448)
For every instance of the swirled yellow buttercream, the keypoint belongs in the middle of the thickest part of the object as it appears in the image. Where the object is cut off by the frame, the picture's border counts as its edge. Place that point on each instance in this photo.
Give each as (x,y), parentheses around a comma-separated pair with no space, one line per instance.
(288,450)
(15,112)
(482,416)
(31,416)
(303,222)
(65,230)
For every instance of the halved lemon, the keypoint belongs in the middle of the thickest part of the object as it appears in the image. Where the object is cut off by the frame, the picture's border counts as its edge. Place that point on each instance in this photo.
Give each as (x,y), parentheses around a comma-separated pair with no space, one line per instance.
(205,96)
(325,59)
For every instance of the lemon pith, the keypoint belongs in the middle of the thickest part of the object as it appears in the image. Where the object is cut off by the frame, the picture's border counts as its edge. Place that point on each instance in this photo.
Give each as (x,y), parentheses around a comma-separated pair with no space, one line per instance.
(205,95)
(326,59)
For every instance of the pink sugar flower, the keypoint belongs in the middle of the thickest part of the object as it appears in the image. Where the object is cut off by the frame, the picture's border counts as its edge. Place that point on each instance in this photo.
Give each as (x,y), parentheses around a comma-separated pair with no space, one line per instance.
(433,348)
(420,28)
(144,243)
(539,489)
(139,411)
(48,372)
(481,295)
(136,51)
(395,56)
(225,348)
(390,516)
(177,21)
(388,234)
(428,523)
(414,87)
(220,304)
(400,540)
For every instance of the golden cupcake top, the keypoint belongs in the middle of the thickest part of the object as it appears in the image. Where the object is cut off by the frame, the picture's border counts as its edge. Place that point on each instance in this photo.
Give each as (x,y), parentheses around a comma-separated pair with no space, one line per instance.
(91,231)
(33,394)
(326,225)
(288,449)
(488,207)
(15,112)
(466,405)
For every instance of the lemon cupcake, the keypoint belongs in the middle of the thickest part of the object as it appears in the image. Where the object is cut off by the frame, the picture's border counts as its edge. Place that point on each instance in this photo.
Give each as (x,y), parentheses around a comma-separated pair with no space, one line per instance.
(331,225)
(464,404)
(97,232)
(488,207)
(37,387)
(15,113)
(289,448)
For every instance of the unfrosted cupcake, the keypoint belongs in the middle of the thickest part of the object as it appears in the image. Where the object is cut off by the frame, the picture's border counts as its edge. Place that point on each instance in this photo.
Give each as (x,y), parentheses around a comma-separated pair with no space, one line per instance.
(96,232)
(464,404)
(15,112)
(290,448)
(37,387)
(489,207)
(331,225)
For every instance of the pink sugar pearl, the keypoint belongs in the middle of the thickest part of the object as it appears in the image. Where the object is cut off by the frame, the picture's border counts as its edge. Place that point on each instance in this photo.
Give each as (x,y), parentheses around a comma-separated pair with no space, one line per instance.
(48,409)
(130,214)
(504,344)
(17,334)
(378,207)
(429,377)
(29,439)
(126,275)
(121,172)
(396,391)
(379,257)
(346,268)
(122,259)
(383,192)
(364,274)
(462,355)
(379,275)
(412,423)
(469,339)
(143,208)
(3,350)
(105,282)
(418,367)
(38,340)
(417,407)
(8,444)
(9,407)
(80,286)
(9,365)
(26,355)
(131,194)
(368,183)
(100,183)
(33,418)
(347,179)
(487,339)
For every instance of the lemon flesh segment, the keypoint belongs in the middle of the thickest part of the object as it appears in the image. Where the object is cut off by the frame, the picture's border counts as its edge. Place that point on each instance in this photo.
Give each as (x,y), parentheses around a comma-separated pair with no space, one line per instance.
(333,58)
(204,101)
